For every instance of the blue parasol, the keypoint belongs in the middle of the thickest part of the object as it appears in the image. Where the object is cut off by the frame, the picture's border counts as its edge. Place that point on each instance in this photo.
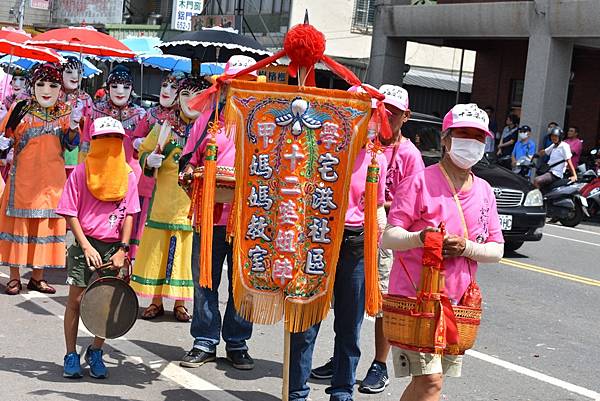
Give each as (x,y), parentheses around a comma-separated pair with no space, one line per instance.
(89,69)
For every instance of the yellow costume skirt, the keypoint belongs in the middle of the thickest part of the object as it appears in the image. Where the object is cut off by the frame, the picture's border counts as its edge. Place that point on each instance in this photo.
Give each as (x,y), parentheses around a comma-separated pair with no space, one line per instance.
(163,265)
(33,243)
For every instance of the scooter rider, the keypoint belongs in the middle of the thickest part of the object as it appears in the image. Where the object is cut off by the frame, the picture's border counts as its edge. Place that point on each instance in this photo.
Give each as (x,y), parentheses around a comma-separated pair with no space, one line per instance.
(560,157)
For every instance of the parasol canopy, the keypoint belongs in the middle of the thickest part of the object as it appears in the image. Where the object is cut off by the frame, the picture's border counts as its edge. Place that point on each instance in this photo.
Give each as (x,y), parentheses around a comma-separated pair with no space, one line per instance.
(168,62)
(214,44)
(83,39)
(143,45)
(21,63)
(14,35)
(32,52)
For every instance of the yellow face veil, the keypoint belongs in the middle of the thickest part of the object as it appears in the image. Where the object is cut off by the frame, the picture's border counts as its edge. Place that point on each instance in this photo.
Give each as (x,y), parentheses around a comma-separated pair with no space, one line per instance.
(106,171)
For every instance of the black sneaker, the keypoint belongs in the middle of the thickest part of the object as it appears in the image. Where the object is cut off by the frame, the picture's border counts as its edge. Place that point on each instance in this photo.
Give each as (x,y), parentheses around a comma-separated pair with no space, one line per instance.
(376,380)
(323,372)
(196,357)
(240,359)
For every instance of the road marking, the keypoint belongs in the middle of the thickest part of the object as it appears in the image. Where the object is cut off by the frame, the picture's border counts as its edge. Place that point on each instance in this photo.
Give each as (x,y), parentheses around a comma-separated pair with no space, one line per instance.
(571,239)
(535,375)
(551,272)
(170,370)
(579,230)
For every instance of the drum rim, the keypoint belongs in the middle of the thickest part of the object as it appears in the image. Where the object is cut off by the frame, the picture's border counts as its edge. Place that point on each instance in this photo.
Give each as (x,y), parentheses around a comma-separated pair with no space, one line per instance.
(99,281)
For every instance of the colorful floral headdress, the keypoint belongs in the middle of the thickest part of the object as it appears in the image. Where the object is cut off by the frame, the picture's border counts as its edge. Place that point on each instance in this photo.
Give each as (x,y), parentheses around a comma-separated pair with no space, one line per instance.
(47,72)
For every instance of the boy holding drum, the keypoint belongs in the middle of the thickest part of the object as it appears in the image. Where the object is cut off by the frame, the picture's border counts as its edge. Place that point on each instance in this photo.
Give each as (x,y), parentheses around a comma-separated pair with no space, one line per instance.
(98,202)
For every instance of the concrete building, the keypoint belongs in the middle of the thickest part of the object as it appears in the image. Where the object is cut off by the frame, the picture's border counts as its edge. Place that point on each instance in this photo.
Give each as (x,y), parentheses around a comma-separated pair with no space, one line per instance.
(536,57)
(9,12)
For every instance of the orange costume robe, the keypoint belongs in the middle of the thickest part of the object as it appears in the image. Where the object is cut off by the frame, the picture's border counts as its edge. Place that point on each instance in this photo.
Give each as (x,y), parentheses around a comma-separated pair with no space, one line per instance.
(31,234)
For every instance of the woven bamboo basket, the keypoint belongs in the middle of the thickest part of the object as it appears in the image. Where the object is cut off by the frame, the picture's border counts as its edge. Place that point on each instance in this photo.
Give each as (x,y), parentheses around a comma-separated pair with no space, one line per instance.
(405,327)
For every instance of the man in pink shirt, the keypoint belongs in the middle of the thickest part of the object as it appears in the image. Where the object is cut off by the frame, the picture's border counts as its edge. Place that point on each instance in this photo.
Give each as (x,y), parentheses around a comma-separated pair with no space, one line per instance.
(575,143)
(448,193)
(98,201)
(206,325)
(348,295)
(404,160)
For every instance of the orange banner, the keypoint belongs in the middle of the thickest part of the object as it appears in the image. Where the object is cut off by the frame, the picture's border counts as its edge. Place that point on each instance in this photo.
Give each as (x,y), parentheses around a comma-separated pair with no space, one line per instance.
(295,150)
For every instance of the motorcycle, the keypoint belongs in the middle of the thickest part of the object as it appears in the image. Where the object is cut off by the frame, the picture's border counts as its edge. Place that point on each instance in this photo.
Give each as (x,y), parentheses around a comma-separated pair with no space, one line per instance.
(563,199)
(591,191)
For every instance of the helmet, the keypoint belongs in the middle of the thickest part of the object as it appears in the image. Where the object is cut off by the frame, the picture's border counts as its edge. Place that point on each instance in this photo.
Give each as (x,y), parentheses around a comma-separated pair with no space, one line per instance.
(557,131)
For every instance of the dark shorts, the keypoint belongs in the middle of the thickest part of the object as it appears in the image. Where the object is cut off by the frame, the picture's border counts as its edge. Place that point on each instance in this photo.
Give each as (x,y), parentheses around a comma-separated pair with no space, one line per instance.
(78,272)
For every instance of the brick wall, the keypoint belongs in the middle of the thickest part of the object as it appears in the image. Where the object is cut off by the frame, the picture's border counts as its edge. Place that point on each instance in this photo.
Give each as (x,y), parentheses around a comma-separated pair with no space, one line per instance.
(585,110)
(497,64)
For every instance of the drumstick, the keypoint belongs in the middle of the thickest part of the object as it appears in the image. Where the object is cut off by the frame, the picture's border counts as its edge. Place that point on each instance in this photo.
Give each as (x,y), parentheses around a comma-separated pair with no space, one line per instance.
(163,136)
(101,267)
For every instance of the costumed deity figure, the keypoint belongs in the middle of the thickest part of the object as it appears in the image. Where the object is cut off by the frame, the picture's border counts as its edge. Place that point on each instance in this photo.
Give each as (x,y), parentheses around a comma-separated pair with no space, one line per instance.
(154,116)
(81,102)
(19,84)
(119,106)
(31,233)
(163,268)
(19,88)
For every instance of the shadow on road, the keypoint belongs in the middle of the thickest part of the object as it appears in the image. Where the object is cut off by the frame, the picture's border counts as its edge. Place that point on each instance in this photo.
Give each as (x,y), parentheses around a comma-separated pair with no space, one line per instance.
(121,371)
(262,368)
(187,395)
(81,397)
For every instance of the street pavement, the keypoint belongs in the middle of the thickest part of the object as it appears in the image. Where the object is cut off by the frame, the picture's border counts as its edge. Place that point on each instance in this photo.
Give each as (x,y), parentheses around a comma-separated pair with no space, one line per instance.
(538,341)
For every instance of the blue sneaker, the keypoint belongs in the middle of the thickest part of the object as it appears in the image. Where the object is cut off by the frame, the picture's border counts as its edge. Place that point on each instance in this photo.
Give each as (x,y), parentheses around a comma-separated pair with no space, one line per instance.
(93,357)
(377,379)
(72,366)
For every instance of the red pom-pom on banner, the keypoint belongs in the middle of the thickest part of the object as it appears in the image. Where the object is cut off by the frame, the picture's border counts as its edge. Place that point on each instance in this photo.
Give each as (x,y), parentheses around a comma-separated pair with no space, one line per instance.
(305,46)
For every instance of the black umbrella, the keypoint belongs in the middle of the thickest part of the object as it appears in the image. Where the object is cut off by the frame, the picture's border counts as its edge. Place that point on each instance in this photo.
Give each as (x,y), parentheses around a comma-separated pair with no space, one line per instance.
(213,45)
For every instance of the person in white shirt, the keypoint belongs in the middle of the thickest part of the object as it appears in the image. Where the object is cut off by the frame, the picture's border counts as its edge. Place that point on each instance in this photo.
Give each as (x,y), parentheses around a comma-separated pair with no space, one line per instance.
(558,151)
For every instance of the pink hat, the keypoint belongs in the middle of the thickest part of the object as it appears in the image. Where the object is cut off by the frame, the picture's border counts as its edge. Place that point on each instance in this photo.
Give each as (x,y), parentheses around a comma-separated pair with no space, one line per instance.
(107,125)
(466,116)
(238,63)
(395,96)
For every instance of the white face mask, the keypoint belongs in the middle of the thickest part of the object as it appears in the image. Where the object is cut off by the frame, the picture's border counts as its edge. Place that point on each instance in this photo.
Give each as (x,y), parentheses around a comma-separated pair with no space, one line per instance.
(465,153)
(523,136)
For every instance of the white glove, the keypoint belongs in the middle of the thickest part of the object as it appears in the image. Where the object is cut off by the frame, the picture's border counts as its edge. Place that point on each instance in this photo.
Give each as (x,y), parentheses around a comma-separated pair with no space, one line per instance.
(10,156)
(137,142)
(154,160)
(4,142)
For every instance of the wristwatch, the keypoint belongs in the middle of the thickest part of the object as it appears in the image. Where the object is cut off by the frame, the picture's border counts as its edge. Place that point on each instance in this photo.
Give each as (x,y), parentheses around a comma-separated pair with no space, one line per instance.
(124,246)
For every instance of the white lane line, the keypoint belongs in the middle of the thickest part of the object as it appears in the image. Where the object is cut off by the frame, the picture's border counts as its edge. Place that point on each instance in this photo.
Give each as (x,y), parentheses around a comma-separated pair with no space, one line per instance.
(579,230)
(571,239)
(170,370)
(536,375)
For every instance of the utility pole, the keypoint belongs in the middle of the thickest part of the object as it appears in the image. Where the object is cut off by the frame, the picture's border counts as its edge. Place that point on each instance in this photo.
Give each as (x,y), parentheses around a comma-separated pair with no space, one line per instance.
(21,14)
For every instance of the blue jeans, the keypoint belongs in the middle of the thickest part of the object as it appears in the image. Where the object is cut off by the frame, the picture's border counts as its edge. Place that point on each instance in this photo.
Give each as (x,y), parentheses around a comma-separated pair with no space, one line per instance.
(349,309)
(206,320)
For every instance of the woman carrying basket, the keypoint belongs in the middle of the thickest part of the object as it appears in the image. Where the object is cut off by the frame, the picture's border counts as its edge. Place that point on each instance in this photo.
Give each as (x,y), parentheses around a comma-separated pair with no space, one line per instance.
(446,193)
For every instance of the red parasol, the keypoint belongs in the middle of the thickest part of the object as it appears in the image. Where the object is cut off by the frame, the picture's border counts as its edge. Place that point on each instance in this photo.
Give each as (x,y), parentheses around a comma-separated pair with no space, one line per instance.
(32,52)
(82,39)
(14,35)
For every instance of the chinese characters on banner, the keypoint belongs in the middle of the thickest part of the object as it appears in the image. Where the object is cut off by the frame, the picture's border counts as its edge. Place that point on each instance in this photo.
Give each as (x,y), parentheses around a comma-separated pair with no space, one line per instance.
(295,150)
(183,10)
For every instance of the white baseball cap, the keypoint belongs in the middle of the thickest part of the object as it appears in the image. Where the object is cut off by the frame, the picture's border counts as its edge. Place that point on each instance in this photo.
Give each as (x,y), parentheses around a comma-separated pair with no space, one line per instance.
(395,96)
(107,125)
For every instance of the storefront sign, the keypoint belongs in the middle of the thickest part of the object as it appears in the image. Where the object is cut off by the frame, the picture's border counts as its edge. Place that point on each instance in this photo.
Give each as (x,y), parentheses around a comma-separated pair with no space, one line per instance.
(40,4)
(183,11)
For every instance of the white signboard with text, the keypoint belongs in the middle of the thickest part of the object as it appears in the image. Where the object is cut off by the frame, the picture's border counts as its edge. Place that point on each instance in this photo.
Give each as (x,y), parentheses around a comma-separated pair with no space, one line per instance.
(40,4)
(183,11)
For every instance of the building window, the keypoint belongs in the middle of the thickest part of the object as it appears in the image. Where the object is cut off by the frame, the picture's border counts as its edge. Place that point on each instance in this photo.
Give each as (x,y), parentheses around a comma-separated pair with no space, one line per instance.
(363,16)
(516,92)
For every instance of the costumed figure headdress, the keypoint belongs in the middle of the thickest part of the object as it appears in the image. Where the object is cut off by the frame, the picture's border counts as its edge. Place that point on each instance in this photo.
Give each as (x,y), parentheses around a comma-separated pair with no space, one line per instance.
(47,72)
(119,75)
(74,63)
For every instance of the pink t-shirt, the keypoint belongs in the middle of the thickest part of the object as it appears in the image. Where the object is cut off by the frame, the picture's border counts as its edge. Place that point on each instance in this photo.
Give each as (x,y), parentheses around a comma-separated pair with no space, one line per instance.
(99,220)
(355,214)
(576,145)
(425,200)
(225,158)
(404,160)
